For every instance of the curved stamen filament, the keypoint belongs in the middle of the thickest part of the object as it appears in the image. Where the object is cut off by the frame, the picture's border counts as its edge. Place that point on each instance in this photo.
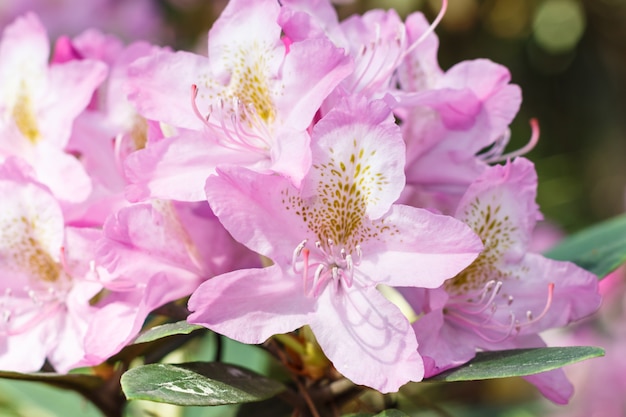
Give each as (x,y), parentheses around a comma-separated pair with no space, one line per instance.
(529,313)
(237,136)
(48,310)
(429,30)
(465,316)
(330,264)
(534,139)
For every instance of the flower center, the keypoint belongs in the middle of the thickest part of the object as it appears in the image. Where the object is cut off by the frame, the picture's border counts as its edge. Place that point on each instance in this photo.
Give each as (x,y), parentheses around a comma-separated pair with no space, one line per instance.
(40,285)
(329,262)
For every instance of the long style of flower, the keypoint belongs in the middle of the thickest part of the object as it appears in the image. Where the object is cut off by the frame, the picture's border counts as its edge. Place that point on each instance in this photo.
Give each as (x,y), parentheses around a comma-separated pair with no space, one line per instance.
(39,102)
(249,103)
(332,242)
(507,295)
(45,277)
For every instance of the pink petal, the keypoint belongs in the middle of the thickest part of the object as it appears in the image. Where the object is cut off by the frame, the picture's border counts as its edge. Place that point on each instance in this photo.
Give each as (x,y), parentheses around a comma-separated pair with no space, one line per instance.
(367,338)
(260,211)
(575,292)
(251,305)
(358,152)
(177,168)
(439,344)
(157,97)
(500,205)
(418,248)
(311,70)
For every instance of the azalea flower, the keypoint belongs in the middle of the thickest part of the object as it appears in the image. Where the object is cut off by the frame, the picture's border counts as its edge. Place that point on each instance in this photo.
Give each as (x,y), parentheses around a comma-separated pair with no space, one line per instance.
(248,103)
(332,242)
(507,295)
(45,277)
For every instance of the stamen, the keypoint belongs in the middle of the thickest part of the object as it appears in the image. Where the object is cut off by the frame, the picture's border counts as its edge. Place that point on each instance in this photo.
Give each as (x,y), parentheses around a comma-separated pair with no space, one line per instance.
(194,106)
(529,314)
(35,320)
(64,260)
(350,267)
(534,139)
(497,148)
(319,279)
(431,28)
(296,254)
(237,137)
(305,269)
(464,316)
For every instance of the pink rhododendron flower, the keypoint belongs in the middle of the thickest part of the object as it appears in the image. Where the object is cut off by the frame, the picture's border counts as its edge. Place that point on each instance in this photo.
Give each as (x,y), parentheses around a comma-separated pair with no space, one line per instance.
(507,295)
(38,105)
(248,103)
(332,242)
(45,278)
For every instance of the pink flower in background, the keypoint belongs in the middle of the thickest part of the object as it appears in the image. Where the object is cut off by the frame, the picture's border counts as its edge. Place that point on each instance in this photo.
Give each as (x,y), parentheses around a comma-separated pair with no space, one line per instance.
(332,242)
(599,384)
(137,19)
(38,105)
(105,133)
(507,295)
(248,103)
(45,277)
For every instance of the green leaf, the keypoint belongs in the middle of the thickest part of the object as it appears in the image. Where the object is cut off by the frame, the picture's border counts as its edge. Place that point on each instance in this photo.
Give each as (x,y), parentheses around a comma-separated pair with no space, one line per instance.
(386,413)
(517,362)
(599,249)
(273,407)
(78,382)
(168,329)
(197,383)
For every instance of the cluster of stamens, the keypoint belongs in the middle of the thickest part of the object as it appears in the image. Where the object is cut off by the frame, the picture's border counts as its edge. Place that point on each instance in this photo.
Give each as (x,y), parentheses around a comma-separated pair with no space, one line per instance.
(387,63)
(234,125)
(496,153)
(329,263)
(479,314)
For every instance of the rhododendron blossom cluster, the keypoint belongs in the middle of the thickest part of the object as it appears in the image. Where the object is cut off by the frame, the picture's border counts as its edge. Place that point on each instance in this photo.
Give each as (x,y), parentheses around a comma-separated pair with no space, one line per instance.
(292,176)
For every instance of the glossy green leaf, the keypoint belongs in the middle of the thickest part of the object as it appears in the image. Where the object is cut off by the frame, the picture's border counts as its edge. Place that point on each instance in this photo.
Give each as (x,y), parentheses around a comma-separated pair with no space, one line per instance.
(518,362)
(197,383)
(78,382)
(168,329)
(599,249)
(386,413)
